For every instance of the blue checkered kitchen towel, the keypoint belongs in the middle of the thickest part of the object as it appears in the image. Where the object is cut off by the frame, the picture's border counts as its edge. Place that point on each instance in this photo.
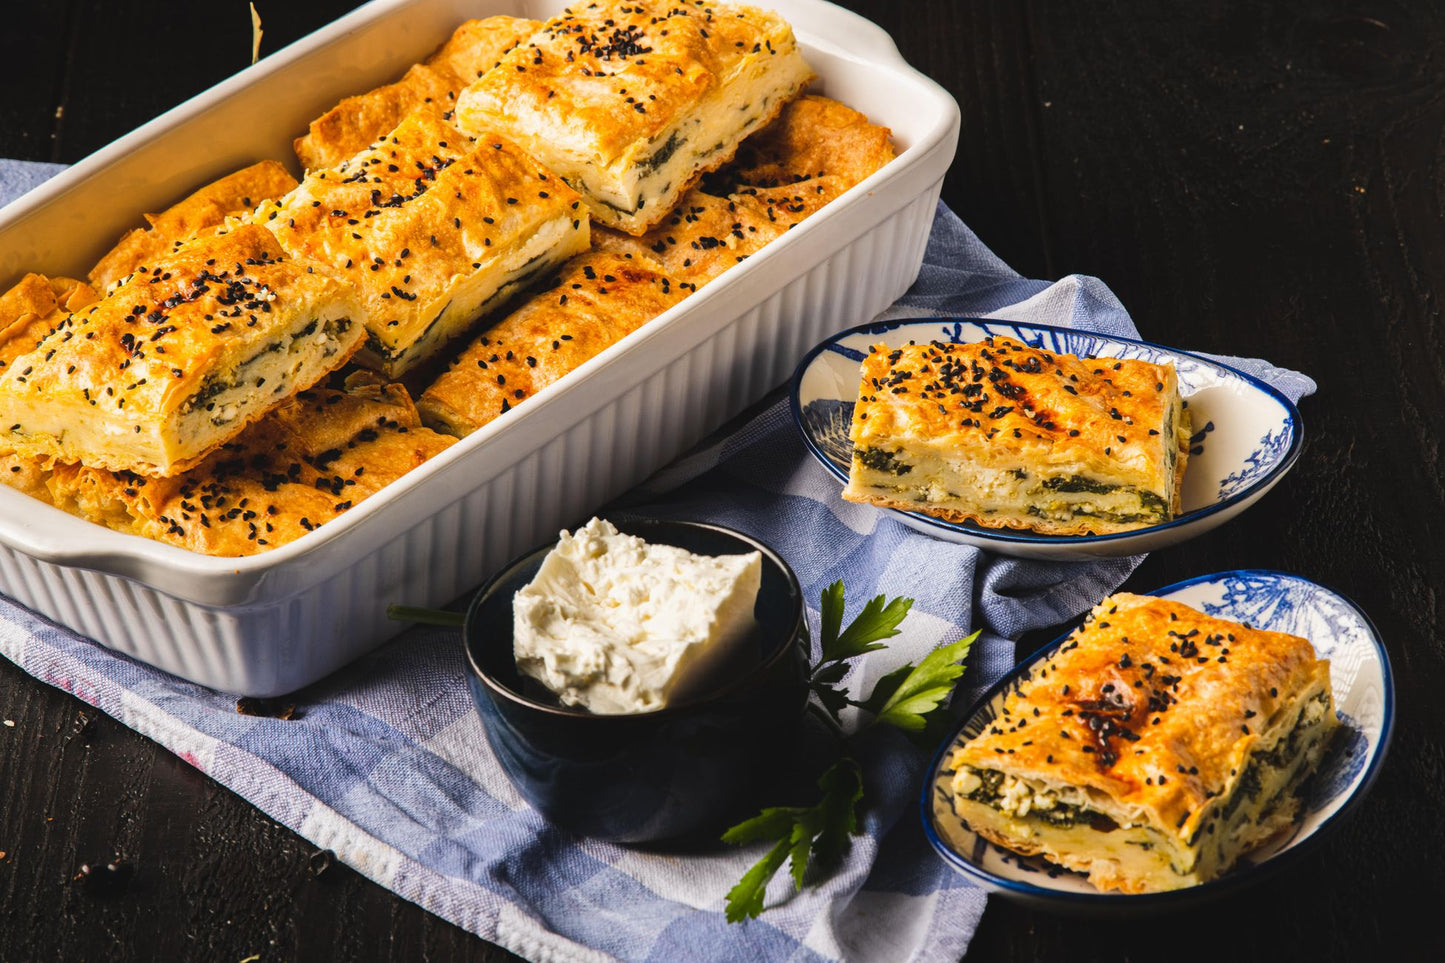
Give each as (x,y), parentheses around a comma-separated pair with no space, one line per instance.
(388,767)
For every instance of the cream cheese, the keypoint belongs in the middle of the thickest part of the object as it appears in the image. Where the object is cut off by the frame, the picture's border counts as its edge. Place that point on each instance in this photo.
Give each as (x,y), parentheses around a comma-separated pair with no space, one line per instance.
(615,625)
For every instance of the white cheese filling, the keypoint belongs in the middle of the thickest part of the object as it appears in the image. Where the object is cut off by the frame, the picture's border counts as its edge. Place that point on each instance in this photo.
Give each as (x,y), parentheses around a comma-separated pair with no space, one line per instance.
(1004,492)
(615,625)
(620,190)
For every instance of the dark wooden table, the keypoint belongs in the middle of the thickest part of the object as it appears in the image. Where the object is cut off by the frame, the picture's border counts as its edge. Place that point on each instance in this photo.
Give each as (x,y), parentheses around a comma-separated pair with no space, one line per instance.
(1250,178)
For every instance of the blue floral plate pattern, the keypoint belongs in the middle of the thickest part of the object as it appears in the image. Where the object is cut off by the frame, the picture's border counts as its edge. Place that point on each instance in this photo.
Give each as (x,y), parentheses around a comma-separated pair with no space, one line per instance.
(1246,434)
(1364,701)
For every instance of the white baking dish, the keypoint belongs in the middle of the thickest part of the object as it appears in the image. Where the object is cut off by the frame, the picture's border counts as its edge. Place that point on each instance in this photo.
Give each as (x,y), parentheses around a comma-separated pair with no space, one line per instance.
(274,622)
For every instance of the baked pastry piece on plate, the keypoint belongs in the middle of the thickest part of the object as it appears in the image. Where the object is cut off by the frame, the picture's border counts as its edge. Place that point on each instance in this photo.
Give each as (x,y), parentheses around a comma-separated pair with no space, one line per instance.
(1007,435)
(176,361)
(595,301)
(306,463)
(199,213)
(435,228)
(813,152)
(632,100)
(1150,750)
(430,86)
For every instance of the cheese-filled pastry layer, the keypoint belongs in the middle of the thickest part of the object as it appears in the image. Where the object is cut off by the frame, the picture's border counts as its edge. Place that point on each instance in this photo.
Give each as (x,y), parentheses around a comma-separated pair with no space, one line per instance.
(199,213)
(595,301)
(435,228)
(1007,435)
(813,152)
(306,463)
(1150,750)
(430,86)
(632,100)
(175,361)
(28,312)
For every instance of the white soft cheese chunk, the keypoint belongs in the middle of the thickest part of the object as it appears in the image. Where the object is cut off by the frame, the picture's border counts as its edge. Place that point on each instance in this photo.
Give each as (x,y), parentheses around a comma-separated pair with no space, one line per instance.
(615,625)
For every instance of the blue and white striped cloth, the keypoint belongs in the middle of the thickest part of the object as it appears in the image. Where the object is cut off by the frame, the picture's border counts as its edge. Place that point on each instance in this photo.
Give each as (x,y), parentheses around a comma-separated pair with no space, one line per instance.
(387,765)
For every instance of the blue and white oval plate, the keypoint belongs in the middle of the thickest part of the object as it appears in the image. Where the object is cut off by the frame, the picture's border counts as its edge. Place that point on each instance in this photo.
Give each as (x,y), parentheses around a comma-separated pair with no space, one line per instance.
(1247,434)
(1364,701)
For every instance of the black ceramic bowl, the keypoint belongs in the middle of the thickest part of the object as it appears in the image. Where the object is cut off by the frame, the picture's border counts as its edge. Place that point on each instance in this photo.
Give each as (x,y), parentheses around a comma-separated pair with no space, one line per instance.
(666,774)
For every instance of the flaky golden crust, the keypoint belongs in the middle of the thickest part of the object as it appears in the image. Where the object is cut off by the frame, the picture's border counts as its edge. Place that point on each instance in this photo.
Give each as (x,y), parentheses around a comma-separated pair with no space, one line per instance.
(33,307)
(306,463)
(135,358)
(202,211)
(479,45)
(813,136)
(411,220)
(811,154)
(1152,704)
(702,237)
(601,84)
(999,404)
(28,312)
(431,86)
(597,299)
(573,70)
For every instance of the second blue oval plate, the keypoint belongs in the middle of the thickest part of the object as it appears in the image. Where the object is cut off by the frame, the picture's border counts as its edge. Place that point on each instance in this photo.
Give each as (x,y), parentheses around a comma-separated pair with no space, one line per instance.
(1247,434)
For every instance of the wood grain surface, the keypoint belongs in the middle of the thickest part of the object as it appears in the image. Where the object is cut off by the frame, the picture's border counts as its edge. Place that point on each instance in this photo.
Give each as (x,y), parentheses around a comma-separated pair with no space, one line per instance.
(1250,178)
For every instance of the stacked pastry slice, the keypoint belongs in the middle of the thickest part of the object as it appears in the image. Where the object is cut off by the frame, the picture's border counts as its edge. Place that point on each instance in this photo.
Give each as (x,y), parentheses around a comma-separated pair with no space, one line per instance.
(632,102)
(176,361)
(815,150)
(594,302)
(1150,750)
(315,457)
(28,312)
(434,227)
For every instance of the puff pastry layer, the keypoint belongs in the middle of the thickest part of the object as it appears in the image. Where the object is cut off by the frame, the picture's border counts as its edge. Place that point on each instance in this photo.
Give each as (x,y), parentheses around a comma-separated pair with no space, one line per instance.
(813,152)
(1150,750)
(430,86)
(595,301)
(176,361)
(306,463)
(28,312)
(1007,435)
(632,100)
(201,212)
(435,228)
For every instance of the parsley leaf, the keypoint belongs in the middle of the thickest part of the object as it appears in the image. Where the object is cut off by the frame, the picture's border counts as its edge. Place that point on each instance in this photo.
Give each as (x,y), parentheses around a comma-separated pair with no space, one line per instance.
(878,620)
(831,610)
(819,836)
(745,900)
(924,687)
(814,835)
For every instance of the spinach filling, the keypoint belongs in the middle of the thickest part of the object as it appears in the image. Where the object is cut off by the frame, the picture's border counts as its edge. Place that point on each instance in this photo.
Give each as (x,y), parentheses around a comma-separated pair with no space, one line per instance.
(880,460)
(1120,517)
(664,153)
(529,273)
(1285,753)
(216,385)
(1061,814)
(1151,505)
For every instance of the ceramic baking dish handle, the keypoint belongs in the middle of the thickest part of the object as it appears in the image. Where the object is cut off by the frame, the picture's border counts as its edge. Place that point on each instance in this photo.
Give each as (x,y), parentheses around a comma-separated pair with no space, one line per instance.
(846,30)
(50,535)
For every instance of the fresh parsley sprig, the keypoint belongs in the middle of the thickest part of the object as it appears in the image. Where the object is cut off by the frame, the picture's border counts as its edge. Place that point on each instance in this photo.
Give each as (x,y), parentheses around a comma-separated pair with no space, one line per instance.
(820,835)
